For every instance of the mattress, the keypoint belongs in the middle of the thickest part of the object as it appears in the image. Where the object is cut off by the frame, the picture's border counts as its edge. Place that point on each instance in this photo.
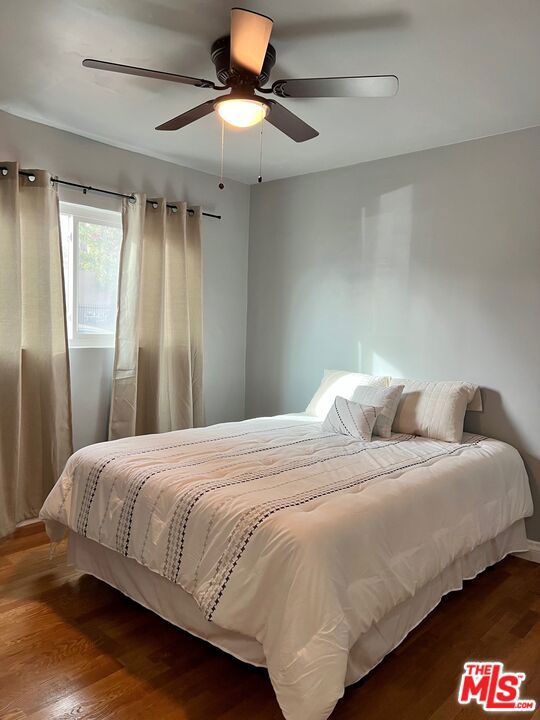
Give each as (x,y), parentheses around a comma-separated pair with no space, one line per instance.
(300,539)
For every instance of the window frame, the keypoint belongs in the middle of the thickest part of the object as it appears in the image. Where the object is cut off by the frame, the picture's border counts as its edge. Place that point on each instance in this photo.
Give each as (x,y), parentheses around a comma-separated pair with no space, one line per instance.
(96,216)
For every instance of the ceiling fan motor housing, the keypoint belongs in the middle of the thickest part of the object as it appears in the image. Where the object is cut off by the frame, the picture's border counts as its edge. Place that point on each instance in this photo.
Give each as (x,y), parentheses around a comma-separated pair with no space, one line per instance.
(230,77)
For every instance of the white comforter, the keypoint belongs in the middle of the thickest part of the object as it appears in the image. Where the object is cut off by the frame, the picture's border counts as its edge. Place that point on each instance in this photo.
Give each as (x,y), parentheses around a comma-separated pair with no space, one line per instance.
(297,537)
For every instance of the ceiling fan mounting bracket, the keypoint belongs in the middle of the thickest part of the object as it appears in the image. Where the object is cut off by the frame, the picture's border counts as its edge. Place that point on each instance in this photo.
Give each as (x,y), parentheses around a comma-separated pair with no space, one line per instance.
(243,92)
(230,77)
(208,84)
(278,88)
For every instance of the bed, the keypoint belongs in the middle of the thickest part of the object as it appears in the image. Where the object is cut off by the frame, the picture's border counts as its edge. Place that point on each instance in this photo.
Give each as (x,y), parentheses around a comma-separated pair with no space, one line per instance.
(307,552)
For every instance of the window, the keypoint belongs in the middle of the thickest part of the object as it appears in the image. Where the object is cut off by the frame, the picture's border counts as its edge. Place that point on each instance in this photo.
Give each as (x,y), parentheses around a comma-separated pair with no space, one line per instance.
(91,241)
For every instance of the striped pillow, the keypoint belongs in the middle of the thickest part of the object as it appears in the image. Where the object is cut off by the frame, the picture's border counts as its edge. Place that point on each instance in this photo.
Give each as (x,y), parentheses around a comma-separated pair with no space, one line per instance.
(388,400)
(349,418)
(434,409)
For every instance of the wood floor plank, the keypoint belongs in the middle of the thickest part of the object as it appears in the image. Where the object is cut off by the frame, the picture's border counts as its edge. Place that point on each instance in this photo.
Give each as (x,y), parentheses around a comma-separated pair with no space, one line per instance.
(70,646)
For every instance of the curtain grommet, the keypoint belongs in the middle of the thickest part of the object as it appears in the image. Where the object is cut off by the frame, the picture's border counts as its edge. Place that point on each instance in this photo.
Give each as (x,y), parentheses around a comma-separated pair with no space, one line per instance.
(31,178)
(155,205)
(5,171)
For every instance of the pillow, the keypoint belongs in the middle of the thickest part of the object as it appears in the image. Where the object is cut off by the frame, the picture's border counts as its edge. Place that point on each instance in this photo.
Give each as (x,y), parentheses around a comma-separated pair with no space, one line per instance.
(385,398)
(349,418)
(433,409)
(340,382)
(475,405)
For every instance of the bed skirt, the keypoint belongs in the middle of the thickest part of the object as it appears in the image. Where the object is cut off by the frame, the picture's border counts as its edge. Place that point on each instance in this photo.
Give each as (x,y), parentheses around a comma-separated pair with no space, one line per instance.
(170,602)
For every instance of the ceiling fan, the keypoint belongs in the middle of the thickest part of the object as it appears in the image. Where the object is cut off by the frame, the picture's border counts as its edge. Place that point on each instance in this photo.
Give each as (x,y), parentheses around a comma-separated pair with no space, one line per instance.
(243,63)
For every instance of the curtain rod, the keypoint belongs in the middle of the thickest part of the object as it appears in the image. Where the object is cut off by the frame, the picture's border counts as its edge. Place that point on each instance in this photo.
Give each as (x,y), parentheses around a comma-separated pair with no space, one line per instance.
(89,188)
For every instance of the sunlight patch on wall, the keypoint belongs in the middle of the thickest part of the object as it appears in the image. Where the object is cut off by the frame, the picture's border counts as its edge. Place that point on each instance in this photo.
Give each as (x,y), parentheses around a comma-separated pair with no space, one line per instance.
(382,366)
(373,363)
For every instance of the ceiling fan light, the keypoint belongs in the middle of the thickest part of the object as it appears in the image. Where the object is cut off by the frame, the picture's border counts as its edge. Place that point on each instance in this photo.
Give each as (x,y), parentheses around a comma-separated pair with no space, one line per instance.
(241,112)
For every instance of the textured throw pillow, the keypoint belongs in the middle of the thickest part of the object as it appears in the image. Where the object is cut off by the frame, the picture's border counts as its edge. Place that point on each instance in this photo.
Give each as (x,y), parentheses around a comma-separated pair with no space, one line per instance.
(339,382)
(433,409)
(385,398)
(349,418)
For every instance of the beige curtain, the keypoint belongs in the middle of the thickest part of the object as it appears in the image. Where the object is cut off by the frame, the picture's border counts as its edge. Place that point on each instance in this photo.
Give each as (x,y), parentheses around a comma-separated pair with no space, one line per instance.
(157,375)
(35,407)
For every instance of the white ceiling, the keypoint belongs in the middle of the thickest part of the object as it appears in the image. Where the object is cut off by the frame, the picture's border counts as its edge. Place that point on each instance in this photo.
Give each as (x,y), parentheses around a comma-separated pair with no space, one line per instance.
(467,68)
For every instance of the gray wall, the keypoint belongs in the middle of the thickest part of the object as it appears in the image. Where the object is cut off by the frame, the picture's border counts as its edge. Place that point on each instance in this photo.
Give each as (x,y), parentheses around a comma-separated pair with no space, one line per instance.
(425,266)
(225,257)
(91,370)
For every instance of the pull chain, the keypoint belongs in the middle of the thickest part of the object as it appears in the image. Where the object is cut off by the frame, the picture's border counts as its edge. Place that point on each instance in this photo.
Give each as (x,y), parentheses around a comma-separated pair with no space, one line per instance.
(221,183)
(259,179)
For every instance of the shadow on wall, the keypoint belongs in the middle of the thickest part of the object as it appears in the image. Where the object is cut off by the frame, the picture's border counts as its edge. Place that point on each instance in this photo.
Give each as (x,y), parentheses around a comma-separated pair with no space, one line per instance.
(495,422)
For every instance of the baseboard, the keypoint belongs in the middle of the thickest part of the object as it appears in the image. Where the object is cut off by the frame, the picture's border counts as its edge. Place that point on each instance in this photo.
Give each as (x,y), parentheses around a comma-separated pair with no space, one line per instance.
(533,553)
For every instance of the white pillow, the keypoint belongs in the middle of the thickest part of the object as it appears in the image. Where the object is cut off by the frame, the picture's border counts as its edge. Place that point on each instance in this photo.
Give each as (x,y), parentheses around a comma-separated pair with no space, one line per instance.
(433,409)
(349,418)
(385,398)
(340,382)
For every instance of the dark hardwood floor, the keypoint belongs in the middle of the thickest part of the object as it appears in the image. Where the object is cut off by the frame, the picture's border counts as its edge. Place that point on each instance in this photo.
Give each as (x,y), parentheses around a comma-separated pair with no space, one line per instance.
(71,647)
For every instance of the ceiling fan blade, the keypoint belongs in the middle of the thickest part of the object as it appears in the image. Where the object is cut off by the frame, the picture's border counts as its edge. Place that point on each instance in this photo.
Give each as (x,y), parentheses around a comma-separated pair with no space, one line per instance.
(188,117)
(369,86)
(250,35)
(146,72)
(289,123)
